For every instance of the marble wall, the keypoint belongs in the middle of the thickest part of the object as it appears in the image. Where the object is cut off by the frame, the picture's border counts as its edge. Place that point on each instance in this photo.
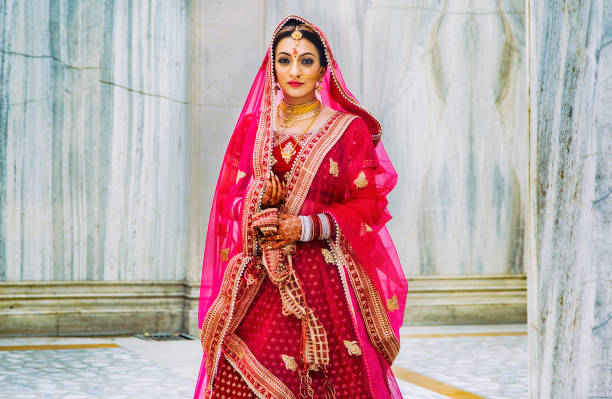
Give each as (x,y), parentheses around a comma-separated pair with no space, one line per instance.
(114,117)
(448,81)
(570,273)
(93,139)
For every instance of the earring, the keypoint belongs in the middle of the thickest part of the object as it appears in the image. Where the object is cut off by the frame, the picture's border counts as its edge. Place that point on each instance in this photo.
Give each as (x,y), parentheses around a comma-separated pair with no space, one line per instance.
(276,88)
(319,85)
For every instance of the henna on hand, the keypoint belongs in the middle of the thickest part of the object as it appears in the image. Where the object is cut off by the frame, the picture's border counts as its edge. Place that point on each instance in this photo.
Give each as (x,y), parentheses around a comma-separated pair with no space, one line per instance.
(289,231)
(274,193)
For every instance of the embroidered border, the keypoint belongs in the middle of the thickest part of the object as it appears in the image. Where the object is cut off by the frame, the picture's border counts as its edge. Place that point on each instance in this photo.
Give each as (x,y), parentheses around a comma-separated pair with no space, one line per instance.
(308,162)
(219,314)
(261,381)
(372,309)
(227,311)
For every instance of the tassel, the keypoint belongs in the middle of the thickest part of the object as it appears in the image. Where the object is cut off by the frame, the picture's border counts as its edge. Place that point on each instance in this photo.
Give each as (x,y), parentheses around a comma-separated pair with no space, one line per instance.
(306,385)
(328,388)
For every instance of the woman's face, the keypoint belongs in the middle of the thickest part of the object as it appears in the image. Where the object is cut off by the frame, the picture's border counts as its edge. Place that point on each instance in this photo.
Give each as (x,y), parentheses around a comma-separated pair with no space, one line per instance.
(297,69)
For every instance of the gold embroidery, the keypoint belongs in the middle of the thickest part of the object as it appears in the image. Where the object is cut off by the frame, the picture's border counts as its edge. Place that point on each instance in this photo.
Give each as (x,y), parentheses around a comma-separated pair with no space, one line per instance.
(250,280)
(365,228)
(224,254)
(392,304)
(353,348)
(372,307)
(327,254)
(361,181)
(333,167)
(240,175)
(290,363)
(263,383)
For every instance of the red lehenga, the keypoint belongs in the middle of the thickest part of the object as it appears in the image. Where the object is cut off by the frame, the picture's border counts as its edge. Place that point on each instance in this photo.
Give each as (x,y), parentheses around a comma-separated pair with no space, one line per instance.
(327,324)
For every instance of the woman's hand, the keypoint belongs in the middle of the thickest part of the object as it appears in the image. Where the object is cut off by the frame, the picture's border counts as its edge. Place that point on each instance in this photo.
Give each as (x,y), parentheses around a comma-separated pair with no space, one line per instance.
(289,231)
(275,192)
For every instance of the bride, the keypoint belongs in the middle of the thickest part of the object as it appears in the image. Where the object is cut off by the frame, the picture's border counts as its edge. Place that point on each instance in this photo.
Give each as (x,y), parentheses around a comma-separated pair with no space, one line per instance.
(302,292)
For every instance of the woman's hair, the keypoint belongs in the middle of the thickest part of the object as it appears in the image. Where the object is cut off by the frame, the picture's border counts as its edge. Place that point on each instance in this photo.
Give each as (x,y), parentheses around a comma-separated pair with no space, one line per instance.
(307,33)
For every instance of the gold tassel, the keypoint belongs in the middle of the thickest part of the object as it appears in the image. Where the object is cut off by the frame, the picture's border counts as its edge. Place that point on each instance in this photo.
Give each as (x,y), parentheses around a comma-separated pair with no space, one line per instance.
(306,385)
(328,388)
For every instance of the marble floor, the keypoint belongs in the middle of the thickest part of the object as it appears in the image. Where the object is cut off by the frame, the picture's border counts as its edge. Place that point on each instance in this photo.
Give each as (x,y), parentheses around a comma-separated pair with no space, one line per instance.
(434,363)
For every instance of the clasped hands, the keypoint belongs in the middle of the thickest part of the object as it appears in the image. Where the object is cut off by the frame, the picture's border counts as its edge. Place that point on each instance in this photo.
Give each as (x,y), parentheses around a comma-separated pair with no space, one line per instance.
(289,226)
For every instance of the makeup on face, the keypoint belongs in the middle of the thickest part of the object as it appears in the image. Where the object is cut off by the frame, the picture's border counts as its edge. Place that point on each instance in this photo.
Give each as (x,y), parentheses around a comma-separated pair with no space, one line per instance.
(297,69)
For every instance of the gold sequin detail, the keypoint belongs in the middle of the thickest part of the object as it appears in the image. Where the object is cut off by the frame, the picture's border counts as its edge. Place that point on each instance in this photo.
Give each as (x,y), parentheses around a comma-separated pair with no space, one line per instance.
(240,175)
(365,228)
(361,181)
(250,279)
(290,363)
(224,254)
(392,304)
(333,167)
(327,254)
(353,348)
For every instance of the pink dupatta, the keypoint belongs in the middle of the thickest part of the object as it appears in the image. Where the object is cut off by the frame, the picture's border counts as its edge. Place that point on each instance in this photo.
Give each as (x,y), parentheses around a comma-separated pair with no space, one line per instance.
(363,240)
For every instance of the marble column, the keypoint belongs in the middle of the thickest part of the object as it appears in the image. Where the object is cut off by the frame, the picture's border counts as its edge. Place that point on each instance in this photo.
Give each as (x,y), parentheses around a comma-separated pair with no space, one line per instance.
(570,274)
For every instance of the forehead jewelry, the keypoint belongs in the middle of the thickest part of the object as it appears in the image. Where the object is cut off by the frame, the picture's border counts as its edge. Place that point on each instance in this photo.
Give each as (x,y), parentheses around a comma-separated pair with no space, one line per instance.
(296,35)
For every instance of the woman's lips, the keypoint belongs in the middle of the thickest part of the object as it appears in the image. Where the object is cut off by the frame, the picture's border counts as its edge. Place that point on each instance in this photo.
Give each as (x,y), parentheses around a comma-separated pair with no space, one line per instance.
(293,83)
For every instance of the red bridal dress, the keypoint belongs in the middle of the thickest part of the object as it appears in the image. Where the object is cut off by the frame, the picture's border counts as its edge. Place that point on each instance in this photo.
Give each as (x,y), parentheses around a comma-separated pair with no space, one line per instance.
(319,319)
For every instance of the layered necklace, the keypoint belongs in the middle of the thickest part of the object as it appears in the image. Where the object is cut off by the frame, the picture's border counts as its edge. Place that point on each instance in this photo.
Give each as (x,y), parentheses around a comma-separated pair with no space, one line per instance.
(288,114)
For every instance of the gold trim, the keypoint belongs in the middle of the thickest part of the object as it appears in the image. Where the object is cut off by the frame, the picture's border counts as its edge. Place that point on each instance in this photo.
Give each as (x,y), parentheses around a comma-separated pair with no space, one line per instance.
(224,253)
(327,254)
(261,381)
(371,305)
(308,162)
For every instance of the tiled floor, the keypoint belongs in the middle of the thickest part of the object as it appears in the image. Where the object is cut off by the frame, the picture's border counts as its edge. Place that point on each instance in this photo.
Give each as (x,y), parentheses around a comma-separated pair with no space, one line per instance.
(435,363)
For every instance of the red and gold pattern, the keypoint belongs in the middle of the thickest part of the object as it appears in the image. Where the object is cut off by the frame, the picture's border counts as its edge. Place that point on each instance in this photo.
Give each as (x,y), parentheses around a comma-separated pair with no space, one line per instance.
(371,305)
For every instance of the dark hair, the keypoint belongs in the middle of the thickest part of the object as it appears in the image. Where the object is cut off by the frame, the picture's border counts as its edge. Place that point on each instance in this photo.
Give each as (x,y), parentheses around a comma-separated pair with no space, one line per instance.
(307,33)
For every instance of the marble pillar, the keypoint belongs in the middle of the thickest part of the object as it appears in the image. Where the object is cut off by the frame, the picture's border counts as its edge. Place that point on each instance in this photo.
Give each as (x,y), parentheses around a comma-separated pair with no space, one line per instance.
(570,274)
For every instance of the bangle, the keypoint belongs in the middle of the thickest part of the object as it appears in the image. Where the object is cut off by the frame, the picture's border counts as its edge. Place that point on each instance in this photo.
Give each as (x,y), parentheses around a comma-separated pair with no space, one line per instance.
(306,228)
(324,226)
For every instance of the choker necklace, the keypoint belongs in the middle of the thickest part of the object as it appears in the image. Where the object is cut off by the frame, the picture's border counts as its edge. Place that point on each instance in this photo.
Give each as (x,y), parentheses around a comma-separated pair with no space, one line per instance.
(288,151)
(287,113)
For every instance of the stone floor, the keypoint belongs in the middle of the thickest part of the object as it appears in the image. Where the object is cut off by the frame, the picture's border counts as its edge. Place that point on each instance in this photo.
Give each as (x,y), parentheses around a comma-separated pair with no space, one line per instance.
(434,363)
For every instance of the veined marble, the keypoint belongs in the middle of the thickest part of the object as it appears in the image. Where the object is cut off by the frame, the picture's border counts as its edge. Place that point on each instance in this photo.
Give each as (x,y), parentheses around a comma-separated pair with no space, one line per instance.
(93,140)
(570,274)
(115,116)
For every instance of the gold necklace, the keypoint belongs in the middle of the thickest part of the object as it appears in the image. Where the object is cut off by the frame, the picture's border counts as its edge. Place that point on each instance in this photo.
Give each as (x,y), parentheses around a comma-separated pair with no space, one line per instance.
(287,114)
(287,154)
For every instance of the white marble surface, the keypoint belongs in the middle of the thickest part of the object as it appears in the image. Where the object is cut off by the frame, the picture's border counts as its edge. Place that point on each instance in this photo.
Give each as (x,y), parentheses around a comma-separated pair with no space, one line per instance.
(115,116)
(93,131)
(570,290)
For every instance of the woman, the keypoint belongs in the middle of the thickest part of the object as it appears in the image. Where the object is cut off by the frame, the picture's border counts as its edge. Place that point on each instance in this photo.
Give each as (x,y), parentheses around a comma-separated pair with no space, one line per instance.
(302,292)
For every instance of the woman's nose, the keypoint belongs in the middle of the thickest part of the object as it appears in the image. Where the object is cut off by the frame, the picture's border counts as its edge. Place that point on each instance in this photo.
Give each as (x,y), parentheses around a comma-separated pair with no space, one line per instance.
(295,69)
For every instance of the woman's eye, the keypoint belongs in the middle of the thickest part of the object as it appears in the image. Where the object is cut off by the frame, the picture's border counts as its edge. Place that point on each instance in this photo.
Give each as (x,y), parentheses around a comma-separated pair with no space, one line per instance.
(307,61)
(283,60)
